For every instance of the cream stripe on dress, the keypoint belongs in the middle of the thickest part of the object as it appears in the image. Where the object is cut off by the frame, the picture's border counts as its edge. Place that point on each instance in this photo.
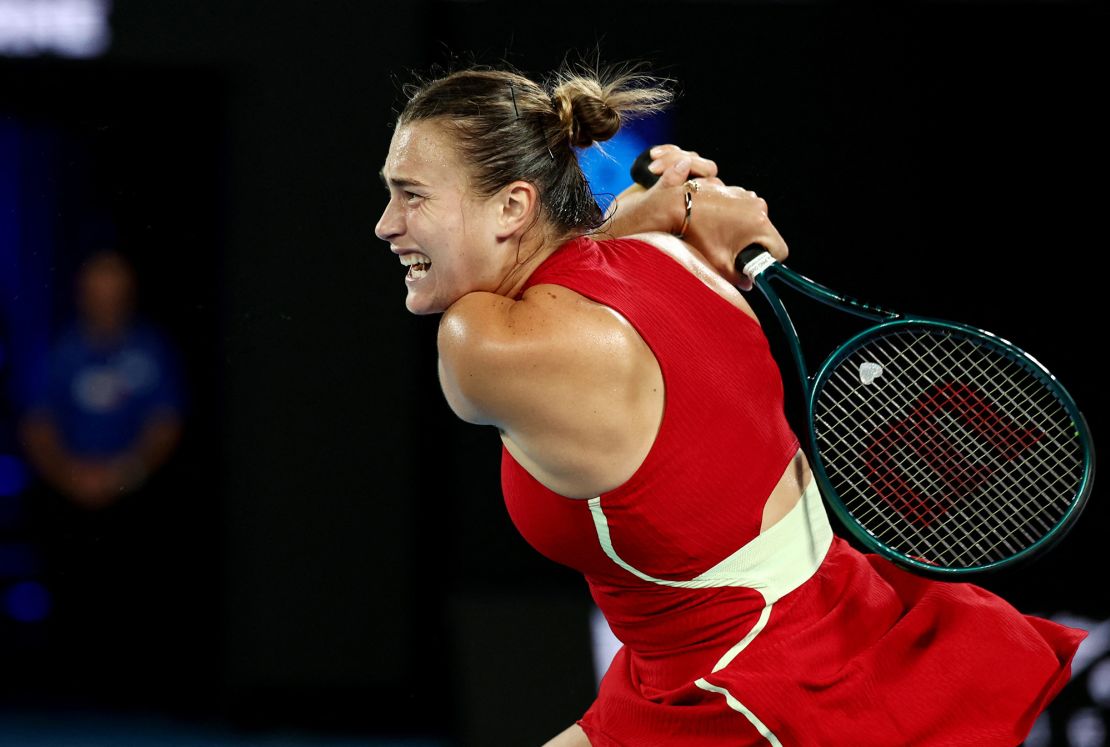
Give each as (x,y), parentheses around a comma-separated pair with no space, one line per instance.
(736,705)
(775,563)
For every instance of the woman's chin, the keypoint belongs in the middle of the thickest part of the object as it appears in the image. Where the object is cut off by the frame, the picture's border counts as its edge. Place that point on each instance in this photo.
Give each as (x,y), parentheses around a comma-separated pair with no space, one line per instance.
(418,303)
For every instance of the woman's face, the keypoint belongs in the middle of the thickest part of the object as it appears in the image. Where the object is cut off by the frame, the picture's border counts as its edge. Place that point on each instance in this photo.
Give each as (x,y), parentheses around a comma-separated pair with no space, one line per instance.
(433,221)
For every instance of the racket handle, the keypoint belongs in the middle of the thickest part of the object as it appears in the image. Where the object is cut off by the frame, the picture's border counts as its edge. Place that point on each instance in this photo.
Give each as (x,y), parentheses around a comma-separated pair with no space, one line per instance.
(640,173)
(747,254)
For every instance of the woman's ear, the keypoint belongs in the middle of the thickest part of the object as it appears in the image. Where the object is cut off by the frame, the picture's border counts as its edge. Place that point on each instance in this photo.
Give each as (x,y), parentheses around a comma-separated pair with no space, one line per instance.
(516,205)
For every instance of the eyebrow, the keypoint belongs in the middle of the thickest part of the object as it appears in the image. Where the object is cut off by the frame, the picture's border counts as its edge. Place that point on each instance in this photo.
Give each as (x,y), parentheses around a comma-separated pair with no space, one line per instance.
(400,183)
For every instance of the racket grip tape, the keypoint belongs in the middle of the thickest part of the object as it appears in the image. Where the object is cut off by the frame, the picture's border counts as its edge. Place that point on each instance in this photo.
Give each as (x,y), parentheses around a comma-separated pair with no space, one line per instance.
(753,260)
(640,173)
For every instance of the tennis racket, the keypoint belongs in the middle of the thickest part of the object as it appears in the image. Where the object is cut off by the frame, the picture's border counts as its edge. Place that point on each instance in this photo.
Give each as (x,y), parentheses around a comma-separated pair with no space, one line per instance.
(939,445)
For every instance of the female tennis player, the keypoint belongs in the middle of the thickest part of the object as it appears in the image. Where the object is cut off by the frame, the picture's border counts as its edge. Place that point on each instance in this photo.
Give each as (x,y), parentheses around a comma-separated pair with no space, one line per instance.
(645,443)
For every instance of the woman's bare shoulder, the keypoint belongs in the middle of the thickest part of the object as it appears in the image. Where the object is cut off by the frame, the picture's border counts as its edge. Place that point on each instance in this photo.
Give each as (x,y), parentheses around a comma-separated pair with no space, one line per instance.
(503,359)
(574,390)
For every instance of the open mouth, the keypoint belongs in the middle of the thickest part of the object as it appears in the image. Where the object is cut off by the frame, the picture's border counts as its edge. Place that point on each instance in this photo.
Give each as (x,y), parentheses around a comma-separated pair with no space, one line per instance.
(418,265)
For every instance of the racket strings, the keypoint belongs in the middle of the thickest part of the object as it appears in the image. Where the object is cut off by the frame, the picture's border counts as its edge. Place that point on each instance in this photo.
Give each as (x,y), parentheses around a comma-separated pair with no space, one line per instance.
(961,482)
(982,456)
(1010,444)
(929,539)
(915,441)
(946,448)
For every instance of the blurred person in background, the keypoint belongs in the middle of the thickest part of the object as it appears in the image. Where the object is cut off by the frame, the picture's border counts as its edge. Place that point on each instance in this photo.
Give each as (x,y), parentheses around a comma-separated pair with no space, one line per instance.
(107,419)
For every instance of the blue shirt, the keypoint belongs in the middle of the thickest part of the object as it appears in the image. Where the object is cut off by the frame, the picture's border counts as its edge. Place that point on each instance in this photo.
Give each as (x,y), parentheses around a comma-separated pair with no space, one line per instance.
(101,395)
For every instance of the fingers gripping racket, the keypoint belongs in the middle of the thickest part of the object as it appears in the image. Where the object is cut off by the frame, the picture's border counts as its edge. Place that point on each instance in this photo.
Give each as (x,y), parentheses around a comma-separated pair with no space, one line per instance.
(941,446)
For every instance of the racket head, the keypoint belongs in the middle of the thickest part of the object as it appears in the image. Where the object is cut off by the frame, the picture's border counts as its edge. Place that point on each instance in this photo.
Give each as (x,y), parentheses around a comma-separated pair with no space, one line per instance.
(946,448)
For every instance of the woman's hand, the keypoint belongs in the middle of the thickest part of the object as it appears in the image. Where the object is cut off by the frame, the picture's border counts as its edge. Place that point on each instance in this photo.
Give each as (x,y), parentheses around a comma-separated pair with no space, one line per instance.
(639,209)
(664,157)
(723,221)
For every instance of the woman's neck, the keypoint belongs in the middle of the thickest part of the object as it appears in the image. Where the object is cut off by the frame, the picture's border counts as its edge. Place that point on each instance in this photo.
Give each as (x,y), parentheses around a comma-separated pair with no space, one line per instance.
(535,253)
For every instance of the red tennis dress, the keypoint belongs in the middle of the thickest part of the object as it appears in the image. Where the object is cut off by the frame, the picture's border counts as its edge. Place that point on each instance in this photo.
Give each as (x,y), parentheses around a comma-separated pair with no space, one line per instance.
(736,637)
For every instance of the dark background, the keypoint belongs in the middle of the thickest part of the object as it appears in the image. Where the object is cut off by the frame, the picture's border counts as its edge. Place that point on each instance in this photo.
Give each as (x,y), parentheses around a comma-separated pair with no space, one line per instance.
(345,561)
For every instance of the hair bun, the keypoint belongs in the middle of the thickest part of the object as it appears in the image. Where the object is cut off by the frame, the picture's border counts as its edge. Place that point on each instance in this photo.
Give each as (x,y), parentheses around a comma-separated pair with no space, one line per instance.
(585,112)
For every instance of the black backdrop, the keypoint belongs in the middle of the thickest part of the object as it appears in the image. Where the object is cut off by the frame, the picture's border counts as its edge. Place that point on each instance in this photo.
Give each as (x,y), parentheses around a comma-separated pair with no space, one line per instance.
(943,158)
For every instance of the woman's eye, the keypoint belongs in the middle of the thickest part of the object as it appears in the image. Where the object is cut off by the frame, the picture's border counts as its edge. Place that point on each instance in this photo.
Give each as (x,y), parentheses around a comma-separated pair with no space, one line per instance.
(410,196)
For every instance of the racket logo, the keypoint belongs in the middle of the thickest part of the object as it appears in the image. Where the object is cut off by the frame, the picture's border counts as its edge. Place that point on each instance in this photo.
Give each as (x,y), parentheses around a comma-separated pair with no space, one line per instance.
(869,371)
(955,438)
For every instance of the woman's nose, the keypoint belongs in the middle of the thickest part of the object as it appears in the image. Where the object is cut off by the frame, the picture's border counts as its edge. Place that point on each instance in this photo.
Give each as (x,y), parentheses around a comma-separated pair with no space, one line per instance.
(390,224)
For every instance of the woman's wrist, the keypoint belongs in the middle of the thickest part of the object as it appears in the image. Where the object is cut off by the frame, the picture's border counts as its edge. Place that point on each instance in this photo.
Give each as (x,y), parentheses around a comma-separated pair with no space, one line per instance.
(639,210)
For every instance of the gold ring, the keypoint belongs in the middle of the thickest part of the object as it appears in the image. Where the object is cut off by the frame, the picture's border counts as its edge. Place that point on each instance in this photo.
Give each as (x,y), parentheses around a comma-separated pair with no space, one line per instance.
(693,185)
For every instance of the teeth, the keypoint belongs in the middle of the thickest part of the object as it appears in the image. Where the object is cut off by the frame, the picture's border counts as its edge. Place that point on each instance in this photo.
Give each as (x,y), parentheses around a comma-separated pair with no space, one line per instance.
(418,272)
(416,258)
